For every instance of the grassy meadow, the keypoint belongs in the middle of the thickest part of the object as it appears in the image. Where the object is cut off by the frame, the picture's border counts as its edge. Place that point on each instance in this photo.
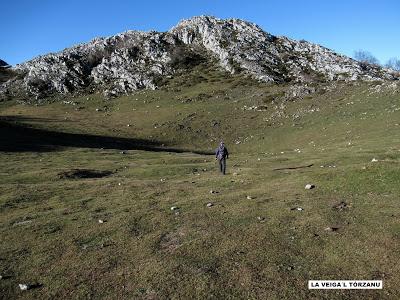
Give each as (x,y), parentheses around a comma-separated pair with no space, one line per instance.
(114,235)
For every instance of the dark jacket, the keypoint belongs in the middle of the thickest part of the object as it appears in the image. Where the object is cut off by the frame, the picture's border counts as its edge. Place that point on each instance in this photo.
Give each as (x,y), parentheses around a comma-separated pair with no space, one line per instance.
(221,152)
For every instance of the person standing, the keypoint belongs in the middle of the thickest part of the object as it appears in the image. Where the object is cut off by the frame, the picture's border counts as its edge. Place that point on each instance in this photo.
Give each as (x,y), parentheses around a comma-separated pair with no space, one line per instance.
(222,154)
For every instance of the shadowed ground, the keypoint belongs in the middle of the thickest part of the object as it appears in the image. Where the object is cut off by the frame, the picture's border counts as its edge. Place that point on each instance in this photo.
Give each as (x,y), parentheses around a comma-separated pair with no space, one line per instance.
(15,136)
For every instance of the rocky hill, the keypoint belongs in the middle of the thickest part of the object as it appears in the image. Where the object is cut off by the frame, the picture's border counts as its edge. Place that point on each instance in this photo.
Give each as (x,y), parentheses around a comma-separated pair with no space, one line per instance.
(136,60)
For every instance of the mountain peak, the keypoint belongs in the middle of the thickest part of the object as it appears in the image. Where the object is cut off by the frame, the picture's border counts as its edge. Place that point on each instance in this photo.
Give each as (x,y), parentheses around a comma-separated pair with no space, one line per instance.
(134,60)
(212,21)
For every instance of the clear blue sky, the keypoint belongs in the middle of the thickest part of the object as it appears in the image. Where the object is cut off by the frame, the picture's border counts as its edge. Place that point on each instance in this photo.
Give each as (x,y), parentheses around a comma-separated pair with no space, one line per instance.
(30,27)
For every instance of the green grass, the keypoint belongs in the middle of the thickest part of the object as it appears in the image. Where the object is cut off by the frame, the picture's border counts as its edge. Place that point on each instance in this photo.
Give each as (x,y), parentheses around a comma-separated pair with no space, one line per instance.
(49,226)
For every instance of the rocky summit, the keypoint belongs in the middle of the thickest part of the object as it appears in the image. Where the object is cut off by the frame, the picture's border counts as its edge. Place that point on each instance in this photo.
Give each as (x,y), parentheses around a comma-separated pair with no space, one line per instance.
(136,60)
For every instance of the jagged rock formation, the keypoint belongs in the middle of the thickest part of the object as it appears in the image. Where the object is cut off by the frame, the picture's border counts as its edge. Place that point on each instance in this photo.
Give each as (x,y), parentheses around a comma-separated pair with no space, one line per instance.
(134,60)
(270,58)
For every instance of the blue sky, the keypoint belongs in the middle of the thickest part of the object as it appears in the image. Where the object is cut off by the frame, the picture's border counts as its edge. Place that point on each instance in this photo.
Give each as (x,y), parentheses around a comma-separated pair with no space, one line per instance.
(30,28)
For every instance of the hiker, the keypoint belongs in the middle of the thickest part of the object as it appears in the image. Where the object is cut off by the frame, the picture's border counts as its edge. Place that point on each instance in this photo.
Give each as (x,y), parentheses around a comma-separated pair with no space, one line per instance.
(222,155)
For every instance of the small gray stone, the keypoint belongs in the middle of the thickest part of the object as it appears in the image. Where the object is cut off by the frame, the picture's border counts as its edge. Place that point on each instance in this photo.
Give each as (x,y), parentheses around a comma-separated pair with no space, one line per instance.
(332,229)
(297,208)
(23,286)
(22,222)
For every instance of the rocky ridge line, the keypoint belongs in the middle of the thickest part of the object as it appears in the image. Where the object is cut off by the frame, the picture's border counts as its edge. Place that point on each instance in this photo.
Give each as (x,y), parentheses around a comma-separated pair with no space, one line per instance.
(134,60)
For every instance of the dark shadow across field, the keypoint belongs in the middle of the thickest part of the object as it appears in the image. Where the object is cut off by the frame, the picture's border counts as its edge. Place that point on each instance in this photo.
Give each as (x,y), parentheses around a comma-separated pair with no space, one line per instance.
(17,136)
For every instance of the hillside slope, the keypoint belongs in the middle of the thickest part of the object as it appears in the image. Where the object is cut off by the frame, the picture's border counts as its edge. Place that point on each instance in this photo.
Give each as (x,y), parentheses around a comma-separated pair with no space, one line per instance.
(88,185)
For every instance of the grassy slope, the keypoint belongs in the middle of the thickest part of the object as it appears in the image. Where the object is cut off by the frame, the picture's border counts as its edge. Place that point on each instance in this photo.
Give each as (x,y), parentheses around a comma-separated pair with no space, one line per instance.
(145,250)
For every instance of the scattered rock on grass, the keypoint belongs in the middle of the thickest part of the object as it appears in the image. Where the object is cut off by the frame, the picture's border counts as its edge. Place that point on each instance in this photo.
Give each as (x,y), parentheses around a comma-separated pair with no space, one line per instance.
(261,219)
(341,206)
(102,221)
(23,286)
(26,286)
(332,229)
(309,186)
(374,160)
(297,208)
(174,208)
(249,197)
(210,204)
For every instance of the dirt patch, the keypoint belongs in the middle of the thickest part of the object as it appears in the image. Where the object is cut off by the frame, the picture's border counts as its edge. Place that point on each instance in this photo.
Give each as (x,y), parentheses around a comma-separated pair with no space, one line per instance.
(83,173)
(341,206)
(138,227)
(170,242)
